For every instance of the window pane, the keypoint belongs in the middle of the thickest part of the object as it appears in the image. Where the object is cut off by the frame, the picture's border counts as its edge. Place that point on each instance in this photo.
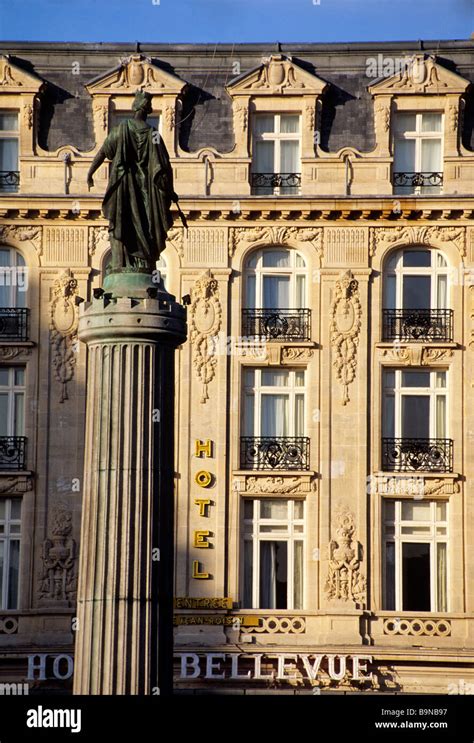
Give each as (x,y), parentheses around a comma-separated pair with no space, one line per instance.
(249,378)
(389,416)
(4,421)
(248,509)
(299,411)
(264,123)
(412,511)
(14,573)
(251,297)
(431,122)
(442,577)
(298,576)
(390,292)
(19,422)
(9,122)
(390,576)
(415,416)
(2,567)
(273,509)
(389,510)
(275,415)
(406,122)
(272,528)
(440,511)
(2,509)
(417,258)
(404,161)
(19,377)
(299,378)
(418,530)
(9,154)
(442,297)
(253,260)
(249,420)
(289,161)
(415,379)
(416,577)
(440,416)
(431,155)
(289,123)
(276,292)
(273,575)
(274,378)
(298,509)
(301,291)
(16,509)
(441,261)
(276,259)
(264,159)
(389,379)
(248,573)
(416,293)
(300,261)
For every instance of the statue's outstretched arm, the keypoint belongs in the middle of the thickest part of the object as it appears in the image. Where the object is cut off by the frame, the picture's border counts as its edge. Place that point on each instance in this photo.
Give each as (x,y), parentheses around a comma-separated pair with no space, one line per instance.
(96,163)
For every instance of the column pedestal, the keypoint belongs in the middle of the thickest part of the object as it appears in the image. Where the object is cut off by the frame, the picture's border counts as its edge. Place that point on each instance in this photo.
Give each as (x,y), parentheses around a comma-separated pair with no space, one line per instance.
(124,641)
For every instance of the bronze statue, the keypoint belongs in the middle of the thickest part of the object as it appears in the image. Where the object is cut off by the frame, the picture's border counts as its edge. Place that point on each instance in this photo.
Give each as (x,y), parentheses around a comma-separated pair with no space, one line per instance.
(138,199)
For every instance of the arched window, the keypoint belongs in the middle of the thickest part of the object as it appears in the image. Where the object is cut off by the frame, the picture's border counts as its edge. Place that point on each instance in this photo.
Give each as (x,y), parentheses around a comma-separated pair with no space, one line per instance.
(416,302)
(13,279)
(275,304)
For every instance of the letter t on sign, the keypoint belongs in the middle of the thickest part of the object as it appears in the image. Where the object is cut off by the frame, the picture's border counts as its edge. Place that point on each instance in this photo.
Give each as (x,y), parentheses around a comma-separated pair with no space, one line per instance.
(203,448)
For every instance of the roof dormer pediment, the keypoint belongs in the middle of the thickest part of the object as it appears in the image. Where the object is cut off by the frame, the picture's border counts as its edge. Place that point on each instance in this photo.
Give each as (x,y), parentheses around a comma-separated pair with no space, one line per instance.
(135,72)
(420,74)
(277,75)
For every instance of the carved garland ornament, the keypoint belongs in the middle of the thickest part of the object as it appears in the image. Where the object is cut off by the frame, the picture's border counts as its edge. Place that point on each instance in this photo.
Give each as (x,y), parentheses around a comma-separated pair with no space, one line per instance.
(205,323)
(58,580)
(418,235)
(345,581)
(345,326)
(63,329)
(22,233)
(275,236)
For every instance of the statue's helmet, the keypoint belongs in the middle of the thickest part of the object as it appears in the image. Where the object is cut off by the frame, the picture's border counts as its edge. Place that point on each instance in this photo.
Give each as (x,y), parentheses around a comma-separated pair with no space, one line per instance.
(142,100)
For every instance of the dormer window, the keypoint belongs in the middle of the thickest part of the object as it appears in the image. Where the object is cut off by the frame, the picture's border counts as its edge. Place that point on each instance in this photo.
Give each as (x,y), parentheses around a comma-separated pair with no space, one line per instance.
(9,146)
(418,153)
(276,166)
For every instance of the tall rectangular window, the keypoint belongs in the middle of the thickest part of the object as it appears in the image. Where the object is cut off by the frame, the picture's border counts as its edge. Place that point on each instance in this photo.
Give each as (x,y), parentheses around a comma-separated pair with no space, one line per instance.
(276,152)
(12,401)
(10,535)
(274,402)
(9,148)
(415,538)
(273,554)
(418,155)
(414,404)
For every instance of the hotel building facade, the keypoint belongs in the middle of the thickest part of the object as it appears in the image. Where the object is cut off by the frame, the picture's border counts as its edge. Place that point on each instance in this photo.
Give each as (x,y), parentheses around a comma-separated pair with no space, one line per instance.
(324,519)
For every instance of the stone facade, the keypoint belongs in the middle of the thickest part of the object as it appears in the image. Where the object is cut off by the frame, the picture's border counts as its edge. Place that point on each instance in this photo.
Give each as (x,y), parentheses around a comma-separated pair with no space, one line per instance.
(345,222)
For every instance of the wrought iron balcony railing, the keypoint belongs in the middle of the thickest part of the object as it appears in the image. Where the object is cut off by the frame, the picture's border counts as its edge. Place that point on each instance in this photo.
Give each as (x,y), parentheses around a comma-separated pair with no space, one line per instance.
(408,455)
(12,453)
(13,324)
(9,180)
(418,180)
(287,183)
(274,452)
(418,325)
(275,324)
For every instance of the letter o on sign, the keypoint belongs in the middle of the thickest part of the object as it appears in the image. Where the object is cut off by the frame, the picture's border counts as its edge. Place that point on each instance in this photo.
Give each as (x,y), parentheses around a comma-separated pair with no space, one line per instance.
(203,478)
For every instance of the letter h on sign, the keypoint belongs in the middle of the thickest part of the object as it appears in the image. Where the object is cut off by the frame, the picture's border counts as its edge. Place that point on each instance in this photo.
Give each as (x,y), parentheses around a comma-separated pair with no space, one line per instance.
(203,449)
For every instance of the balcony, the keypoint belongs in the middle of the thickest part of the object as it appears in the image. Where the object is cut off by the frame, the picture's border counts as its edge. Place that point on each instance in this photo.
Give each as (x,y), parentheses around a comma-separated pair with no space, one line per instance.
(9,181)
(408,183)
(418,325)
(12,453)
(413,455)
(275,183)
(274,452)
(277,324)
(13,324)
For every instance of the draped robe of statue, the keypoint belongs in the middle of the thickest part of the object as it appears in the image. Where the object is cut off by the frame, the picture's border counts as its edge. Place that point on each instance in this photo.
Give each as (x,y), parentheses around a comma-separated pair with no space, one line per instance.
(139,194)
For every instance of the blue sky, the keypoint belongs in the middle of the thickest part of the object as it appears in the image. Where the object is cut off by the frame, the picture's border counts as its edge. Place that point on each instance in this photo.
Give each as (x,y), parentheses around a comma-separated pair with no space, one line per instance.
(235,20)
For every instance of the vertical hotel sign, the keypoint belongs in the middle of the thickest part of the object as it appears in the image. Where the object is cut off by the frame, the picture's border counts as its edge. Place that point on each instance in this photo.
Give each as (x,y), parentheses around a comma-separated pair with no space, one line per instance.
(203,479)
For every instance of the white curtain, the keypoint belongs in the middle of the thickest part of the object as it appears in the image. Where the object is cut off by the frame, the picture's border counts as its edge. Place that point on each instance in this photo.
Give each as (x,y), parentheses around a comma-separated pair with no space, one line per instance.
(298,576)
(442,594)
(275,415)
(440,416)
(276,292)
(268,575)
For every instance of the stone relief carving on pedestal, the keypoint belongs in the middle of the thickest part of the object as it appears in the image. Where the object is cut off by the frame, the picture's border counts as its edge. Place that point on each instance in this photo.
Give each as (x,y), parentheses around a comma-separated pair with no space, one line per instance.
(345,581)
(204,323)
(345,325)
(58,580)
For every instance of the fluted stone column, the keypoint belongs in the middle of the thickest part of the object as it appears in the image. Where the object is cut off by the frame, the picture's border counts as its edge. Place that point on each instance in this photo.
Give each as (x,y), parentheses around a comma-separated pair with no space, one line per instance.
(124,636)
